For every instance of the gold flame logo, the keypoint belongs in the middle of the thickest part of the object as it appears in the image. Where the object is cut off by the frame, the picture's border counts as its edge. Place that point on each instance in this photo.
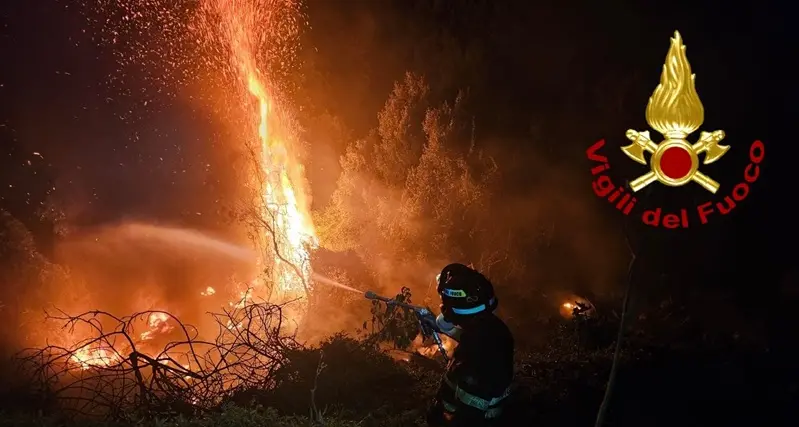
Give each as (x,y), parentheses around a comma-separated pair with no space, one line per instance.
(675,111)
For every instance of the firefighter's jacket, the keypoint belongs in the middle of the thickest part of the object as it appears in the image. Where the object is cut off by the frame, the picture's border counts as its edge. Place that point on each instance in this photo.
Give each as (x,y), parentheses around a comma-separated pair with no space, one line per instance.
(478,379)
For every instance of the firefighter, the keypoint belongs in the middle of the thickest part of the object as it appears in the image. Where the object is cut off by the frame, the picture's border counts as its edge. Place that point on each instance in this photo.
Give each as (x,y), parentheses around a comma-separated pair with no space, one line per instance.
(477,382)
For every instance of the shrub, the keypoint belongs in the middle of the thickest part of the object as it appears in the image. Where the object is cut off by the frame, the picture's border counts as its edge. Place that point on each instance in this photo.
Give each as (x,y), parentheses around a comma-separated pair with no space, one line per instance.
(354,378)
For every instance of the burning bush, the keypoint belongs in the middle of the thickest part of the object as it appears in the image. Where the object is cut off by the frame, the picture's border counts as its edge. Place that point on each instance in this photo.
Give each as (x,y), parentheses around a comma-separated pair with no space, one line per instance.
(150,364)
(112,374)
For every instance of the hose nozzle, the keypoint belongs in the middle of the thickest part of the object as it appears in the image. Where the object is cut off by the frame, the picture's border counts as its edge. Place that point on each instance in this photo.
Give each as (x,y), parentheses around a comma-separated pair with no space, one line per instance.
(372,295)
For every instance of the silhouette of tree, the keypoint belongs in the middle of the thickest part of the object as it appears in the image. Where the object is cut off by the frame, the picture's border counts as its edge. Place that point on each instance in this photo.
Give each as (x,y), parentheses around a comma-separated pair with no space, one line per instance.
(27,278)
(408,191)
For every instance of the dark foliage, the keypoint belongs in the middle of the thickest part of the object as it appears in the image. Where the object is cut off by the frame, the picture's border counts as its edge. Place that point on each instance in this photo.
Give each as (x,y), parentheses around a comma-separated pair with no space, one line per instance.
(356,379)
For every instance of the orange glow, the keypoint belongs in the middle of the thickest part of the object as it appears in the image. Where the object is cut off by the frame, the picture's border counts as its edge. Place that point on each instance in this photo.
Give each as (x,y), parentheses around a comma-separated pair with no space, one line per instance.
(566,309)
(432,350)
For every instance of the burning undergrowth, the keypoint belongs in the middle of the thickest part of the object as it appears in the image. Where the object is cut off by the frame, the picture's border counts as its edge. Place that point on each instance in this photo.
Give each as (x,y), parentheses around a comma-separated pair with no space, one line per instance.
(121,370)
(150,364)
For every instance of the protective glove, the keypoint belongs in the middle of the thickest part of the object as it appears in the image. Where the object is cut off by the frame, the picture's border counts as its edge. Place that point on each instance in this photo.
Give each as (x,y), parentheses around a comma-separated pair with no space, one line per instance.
(428,321)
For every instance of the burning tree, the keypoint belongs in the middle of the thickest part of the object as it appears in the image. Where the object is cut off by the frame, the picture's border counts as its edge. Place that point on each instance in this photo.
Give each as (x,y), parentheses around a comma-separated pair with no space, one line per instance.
(278,211)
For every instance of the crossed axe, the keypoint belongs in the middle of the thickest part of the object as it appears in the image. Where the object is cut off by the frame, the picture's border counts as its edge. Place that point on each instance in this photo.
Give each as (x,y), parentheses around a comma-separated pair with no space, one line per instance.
(708,142)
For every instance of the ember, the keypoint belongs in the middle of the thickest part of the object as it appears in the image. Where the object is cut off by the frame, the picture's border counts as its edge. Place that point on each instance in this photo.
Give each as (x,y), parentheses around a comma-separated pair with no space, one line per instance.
(286,232)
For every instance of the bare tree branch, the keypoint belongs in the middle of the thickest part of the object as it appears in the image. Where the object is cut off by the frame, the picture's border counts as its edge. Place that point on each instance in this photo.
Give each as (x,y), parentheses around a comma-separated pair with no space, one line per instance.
(111,376)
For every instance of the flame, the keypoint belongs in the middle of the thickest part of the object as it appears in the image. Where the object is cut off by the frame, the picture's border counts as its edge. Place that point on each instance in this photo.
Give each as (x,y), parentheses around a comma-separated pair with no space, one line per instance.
(566,309)
(95,356)
(158,323)
(674,108)
(290,232)
(98,355)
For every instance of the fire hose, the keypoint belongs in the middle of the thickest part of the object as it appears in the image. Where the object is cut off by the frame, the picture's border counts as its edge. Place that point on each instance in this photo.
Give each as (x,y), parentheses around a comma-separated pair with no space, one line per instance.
(420,312)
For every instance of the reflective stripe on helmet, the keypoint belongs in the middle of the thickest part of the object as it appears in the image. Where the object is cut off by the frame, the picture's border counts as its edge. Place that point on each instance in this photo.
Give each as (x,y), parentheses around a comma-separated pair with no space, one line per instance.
(473,310)
(454,293)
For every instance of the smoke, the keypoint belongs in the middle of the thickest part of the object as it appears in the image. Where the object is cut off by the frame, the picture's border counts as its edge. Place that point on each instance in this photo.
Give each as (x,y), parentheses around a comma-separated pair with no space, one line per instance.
(537,242)
(566,244)
(120,269)
(130,267)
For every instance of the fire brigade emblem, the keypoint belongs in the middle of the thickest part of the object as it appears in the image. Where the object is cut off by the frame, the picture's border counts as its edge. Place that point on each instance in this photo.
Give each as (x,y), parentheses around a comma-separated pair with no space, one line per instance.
(675,111)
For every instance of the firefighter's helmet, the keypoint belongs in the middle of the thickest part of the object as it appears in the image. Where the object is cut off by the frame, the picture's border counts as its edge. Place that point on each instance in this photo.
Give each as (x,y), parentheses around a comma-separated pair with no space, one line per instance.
(464,292)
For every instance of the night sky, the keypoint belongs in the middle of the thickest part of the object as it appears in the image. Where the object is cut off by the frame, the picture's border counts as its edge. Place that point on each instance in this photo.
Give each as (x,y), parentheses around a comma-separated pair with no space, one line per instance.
(166,165)
(56,103)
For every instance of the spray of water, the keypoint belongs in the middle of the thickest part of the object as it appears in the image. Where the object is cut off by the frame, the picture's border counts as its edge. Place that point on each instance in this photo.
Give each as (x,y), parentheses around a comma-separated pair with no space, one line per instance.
(181,238)
(318,278)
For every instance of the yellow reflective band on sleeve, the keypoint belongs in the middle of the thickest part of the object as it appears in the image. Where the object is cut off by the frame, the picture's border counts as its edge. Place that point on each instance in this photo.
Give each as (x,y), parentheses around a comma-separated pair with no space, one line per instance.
(478,402)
